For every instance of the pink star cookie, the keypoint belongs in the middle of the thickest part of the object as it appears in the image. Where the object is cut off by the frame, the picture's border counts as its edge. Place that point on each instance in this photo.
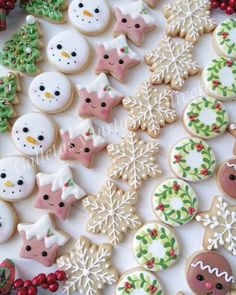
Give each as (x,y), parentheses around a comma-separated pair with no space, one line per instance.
(98,98)
(115,58)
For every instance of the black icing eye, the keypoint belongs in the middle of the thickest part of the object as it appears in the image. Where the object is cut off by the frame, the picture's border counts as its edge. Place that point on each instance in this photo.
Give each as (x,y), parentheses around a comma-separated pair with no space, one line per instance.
(41,88)
(25,129)
(73,54)
(61,204)
(121,61)
(88,100)
(124,20)
(20,182)
(219,286)
(28,248)
(40,137)
(137,26)
(57,93)
(200,277)
(44,254)
(81,5)
(232,177)
(96,10)
(106,56)
(72,145)
(59,46)
(3,175)
(103,104)
(86,150)
(45,197)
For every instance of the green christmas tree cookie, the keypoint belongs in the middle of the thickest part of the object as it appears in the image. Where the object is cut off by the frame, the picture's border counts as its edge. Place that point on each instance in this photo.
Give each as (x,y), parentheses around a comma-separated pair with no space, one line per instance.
(22,51)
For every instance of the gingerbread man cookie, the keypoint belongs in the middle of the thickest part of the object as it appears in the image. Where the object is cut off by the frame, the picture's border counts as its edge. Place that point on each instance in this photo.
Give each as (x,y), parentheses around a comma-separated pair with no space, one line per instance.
(226,178)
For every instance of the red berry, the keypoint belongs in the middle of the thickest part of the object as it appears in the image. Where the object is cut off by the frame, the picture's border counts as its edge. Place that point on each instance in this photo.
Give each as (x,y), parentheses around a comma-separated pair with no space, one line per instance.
(27,283)
(22,291)
(61,275)
(51,278)
(18,283)
(35,281)
(32,290)
(45,286)
(54,287)
(223,5)
(232,3)
(229,10)
(214,4)
(42,278)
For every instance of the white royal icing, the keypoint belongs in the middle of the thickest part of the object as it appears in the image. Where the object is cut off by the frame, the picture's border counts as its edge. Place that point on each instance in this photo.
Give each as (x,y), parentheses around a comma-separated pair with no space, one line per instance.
(43,229)
(7,221)
(30,19)
(50,91)
(68,51)
(231,165)
(58,180)
(98,85)
(232,126)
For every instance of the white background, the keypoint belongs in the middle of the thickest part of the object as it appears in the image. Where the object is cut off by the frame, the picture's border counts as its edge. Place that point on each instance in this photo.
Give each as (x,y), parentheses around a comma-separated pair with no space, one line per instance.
(91,180)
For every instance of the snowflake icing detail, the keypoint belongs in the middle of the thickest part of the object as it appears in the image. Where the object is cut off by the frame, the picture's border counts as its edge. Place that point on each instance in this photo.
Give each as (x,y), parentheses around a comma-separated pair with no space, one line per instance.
(220,224)
(171,62)
(88,268)
(150,109)
(132,160)
(112,212)
(189,18)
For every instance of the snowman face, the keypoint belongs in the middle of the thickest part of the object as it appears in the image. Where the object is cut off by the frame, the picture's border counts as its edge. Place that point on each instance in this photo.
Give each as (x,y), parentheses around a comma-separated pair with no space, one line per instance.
(90,17)
(17,178)
(33,134)
(50,92)
(68,52)
(7,221)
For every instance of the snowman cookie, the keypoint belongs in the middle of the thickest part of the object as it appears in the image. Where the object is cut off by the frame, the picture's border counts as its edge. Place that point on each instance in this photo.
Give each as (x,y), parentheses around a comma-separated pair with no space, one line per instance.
(7,221)
(226,178)
(34,133)
(67,56)
(89,17)
(51,92)
(17,178)
(98,98)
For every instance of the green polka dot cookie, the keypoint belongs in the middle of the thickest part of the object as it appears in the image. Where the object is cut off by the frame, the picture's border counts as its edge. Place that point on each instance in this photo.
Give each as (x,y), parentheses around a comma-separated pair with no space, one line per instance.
(138,281)
(174,202)
(192,159)
(224,38)
(155,246)
(219,78)
(205,117)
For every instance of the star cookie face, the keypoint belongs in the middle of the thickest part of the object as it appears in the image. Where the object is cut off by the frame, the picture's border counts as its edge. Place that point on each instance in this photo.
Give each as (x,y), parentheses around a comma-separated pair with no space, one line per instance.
(133,20)
(112,212)
(81,143)
(68,57)
(17,178)
(133,160)
(220,226)
(89,17)
(188,19)
(7,221)
(226,178)
(150,109)
(88,268)
(115,58)
(171,63)
(58,192)
(208,272)
(98,98)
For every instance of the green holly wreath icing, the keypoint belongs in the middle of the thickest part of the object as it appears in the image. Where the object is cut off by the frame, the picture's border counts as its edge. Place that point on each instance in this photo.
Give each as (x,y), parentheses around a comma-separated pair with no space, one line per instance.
(22,51)
(174,202)
(225,37)
(192,159)
(138,280)
(205,117)
(155,246)
(219,78)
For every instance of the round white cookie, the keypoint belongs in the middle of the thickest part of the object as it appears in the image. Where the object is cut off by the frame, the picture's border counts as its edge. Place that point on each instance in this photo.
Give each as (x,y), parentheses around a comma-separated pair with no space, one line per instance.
(51,92)
(68,52)
(89,17)
(34,133)
(8,221)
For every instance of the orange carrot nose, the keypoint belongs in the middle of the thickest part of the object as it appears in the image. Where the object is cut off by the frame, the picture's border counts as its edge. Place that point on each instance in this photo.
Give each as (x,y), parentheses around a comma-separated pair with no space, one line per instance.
(65,54)
(31,140)
(87,13)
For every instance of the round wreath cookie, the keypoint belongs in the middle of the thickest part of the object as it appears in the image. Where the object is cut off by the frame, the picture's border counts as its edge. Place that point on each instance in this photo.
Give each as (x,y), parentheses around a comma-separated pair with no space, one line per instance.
(51,92)
(219,78)
(17,178)
(208,272)
(138,281)
(225,38)
(155,246)
(226,178)
(90,17)
(34,133)
(7,221)
(192,159)
(67,56)
(205,117)
(174,202)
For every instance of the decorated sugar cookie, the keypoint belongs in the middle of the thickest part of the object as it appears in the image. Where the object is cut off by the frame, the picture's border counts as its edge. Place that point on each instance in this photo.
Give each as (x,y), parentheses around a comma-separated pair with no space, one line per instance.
(219,78)
(7,221)
(205,117)
(138,281)
(81,143)
(34,133)
(192,159)
(208,272)
(89,17)
(232,131)
(226,178)
(174,202)
(133,20)
(98,98)
(40,240)
(51,92)
(17,178)
(225,38)
(67,56)
(155,246)
(58,192)
(115,57)
(151,3)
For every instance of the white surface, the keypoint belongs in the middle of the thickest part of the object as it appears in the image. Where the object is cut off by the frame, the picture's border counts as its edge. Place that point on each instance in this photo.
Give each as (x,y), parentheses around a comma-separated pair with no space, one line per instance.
(190,235)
